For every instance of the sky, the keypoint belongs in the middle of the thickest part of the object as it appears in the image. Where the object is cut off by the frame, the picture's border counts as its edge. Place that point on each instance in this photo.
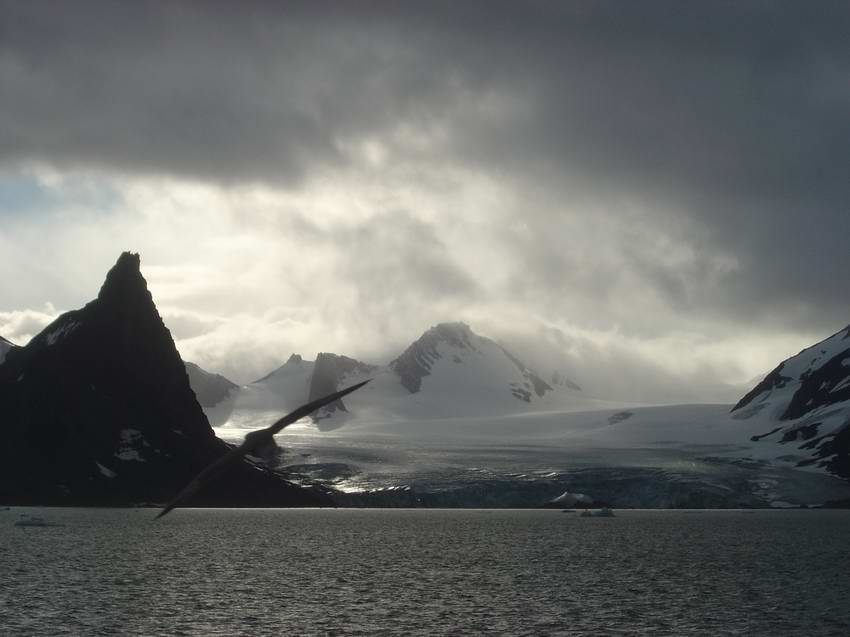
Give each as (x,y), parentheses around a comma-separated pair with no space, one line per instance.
(650,197)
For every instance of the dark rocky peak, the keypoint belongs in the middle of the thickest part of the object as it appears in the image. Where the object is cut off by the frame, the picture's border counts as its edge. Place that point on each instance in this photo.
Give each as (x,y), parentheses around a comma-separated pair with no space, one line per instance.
(329,373)
(98,409)
(107,367)
(124,282)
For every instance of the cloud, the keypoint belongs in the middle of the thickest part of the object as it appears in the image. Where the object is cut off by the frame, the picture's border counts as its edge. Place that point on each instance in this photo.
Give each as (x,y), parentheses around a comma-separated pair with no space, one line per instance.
(349,175)
(21,325)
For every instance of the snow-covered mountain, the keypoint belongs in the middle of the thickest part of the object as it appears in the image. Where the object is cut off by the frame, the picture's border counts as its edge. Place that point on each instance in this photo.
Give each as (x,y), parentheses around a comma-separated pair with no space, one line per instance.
(454,362)
(442,426)
(448,372)
(5,346)
(210,389)
(805,404)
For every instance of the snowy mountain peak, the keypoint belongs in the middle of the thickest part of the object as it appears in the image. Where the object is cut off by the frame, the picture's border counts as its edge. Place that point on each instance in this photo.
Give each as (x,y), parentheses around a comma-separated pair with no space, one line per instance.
(451,360)
(816,377)
(417,360)
(457,333)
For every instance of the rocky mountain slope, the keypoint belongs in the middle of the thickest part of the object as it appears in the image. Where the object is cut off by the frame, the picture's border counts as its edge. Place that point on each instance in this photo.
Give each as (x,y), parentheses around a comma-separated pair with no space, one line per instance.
(805,403)
(97,409)
(5,346)
(210,389)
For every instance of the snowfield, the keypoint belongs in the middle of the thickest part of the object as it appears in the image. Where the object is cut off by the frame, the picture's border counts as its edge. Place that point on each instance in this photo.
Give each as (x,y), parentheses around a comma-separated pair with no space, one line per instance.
(456,420)
(682,455)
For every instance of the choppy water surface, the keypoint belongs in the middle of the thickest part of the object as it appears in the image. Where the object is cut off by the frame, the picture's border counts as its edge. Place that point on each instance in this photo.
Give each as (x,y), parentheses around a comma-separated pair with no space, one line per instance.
(426,572)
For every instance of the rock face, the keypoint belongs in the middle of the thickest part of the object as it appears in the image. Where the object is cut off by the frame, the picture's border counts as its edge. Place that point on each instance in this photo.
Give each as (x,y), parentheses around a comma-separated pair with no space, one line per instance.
(5,346)
(329,372)
(98,410)
(808,399)
(210,389)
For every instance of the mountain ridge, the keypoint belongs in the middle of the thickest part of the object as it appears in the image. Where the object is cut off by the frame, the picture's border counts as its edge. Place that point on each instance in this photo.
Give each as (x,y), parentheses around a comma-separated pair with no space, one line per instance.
(448,369)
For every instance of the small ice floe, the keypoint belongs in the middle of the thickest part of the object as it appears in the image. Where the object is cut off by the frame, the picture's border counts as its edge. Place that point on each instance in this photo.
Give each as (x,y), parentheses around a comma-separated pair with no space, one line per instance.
(604,512)
(782,504)
(567,499)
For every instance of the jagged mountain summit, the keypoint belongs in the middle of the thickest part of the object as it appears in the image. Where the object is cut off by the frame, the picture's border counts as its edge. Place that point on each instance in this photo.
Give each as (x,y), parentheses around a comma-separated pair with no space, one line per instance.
(806,401)
(5,346)
(449,371)
(98,410)
(329,374)
(294,383)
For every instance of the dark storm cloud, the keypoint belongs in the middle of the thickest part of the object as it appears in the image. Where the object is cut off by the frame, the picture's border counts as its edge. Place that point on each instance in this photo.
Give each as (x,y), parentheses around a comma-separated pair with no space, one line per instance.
(731,120)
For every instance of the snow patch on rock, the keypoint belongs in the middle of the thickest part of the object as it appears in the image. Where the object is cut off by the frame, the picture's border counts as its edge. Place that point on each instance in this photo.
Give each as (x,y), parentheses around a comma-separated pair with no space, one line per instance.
(51,338)
(106,472)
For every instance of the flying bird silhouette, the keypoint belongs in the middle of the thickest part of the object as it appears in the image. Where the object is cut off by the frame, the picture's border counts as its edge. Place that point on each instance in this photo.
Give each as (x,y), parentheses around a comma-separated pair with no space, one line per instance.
(256,443)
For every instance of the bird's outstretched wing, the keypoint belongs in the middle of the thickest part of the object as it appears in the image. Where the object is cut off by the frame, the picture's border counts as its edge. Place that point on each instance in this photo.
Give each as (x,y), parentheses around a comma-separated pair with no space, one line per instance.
(234,454)
(202,478)
(309,408)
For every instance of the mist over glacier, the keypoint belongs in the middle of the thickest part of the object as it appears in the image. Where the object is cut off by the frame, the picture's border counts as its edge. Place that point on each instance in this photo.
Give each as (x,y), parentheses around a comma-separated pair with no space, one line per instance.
(461,435)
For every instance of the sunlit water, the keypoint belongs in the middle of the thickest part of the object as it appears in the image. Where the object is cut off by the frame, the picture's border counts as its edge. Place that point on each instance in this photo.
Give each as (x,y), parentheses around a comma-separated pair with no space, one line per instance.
(425,572)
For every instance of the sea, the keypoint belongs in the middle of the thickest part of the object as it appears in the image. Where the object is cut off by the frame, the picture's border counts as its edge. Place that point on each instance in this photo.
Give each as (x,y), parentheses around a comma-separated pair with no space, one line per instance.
(425,572)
